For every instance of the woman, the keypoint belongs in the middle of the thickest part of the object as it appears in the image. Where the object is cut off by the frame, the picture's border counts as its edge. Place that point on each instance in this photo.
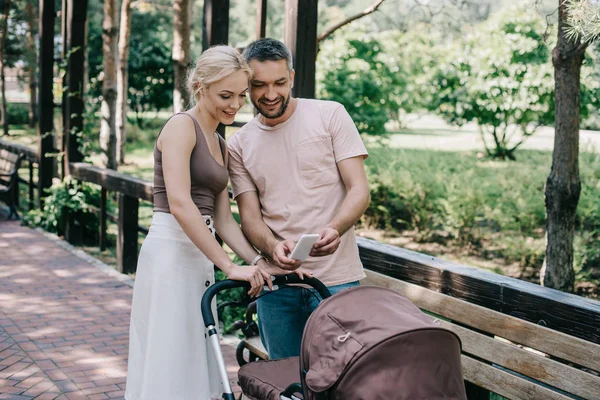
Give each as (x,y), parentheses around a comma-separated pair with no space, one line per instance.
(168,355)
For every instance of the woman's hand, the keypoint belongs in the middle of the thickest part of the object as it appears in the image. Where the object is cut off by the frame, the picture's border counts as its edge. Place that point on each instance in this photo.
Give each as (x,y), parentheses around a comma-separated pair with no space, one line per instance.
(255,275)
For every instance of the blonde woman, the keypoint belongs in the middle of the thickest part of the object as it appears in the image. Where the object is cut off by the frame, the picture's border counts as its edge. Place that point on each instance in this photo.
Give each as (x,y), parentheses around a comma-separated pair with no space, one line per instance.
(168,355)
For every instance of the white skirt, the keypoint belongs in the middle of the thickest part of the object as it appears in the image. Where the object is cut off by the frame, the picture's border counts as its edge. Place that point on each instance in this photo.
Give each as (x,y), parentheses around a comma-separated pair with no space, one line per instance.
(168,354)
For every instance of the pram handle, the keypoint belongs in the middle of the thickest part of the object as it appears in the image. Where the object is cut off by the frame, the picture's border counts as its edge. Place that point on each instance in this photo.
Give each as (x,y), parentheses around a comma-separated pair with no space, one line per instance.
(279,280)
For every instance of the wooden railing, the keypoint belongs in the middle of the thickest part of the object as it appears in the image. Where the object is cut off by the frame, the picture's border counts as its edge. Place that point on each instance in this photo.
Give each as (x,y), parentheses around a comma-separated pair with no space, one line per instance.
(31,158)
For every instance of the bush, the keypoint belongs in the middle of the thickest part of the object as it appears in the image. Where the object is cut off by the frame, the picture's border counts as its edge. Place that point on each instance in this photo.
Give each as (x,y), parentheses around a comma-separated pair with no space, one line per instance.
(17,113)
(488,207)
(499,76)
(352,72)
(69,198)
(229,315)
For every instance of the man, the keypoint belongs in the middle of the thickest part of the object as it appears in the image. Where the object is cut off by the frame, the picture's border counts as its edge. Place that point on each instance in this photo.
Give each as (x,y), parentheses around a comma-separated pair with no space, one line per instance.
(297,168)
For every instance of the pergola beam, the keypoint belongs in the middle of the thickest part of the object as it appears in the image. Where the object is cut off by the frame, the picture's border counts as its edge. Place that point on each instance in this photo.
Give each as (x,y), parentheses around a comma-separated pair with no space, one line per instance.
(300,35)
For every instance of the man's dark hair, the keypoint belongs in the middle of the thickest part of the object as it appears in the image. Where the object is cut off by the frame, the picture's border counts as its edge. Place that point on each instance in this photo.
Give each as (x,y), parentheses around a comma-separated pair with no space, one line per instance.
(268,49)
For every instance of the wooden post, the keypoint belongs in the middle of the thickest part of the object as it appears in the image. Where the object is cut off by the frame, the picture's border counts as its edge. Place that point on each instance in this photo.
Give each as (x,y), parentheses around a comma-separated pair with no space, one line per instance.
(62,143)
(30,185)
(74,19)
(15,194)
(75,42)
(261,18)
(102,234)
(215,30)
(46,98)
(300,35)
(215,23)
(127,240)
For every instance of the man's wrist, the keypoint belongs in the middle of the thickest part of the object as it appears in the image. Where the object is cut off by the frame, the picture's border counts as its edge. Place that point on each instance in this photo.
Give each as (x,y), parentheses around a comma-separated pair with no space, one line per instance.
(334,226)
(272,244)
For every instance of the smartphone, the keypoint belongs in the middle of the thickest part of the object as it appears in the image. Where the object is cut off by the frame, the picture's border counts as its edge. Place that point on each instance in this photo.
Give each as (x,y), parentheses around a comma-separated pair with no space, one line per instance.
(304,246)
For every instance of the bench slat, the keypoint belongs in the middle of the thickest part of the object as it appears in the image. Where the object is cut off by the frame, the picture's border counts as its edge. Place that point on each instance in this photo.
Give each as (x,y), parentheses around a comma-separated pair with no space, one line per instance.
(527,363)
(504,383)
(546,340)
(255,346)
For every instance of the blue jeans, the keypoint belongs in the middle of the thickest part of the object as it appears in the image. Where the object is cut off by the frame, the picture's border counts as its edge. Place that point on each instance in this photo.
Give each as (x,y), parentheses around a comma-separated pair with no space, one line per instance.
(282,315)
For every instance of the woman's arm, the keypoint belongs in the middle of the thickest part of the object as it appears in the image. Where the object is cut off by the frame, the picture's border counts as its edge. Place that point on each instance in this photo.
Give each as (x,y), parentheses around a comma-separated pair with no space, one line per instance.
(176,143)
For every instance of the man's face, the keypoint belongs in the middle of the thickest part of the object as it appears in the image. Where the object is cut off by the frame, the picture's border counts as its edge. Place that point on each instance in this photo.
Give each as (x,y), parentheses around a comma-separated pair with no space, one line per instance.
(271,87)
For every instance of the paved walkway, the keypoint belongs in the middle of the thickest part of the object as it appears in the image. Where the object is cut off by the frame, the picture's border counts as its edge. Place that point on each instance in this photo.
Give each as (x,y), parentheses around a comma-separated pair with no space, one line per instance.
(64,322)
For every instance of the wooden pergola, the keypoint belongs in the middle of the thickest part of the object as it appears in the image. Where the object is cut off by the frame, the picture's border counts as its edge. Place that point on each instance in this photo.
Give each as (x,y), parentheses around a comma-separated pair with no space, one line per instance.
(300,35)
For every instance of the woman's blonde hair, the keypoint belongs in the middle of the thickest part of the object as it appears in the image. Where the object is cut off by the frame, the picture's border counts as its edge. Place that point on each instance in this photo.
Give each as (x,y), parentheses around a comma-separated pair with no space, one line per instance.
(214,64)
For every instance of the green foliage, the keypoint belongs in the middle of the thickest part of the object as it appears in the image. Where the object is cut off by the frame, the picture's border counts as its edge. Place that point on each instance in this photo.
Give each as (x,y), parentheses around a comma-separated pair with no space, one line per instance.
(501,77)
(150,63)
(69,199)
(491,208)
(17,113)
(353,72)
(583,20)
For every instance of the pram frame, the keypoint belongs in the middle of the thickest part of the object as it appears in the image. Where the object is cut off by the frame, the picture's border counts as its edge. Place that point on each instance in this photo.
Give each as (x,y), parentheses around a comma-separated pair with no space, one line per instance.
(212,333)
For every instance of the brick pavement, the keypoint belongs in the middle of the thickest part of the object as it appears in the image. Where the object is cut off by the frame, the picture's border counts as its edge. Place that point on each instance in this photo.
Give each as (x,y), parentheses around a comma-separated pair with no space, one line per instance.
(63,322)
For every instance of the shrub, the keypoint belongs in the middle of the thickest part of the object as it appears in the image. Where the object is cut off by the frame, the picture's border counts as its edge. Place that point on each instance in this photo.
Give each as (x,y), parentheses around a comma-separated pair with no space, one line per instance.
(69,198)
(17,113)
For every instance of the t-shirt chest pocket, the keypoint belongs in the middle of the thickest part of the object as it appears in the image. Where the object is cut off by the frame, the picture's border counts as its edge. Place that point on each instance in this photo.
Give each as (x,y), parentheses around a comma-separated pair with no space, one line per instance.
(316,162)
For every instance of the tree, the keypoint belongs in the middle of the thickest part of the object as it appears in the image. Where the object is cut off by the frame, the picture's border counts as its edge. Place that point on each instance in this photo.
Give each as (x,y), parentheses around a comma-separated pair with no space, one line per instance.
(122,78)
(150,63)
(3,34)
(108,131)
(499,77)
(577,27)
(150,68)
(369,10)
(31,60)
(181,52)
(352,71)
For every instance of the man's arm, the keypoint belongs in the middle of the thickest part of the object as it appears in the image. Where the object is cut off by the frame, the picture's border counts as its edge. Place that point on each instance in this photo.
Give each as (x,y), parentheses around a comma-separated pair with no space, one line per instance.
(260,235)
(358,197)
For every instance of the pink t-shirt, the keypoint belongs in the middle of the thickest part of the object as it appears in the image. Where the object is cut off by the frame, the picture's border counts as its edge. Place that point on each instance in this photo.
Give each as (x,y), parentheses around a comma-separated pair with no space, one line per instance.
(293,168)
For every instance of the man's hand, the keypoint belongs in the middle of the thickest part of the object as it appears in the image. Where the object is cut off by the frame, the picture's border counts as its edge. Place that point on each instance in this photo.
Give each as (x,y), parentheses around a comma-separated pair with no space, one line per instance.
(281,251)
(327,244)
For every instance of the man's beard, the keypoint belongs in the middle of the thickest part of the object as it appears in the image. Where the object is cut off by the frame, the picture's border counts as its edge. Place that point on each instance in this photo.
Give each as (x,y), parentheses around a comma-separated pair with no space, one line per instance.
(277,113)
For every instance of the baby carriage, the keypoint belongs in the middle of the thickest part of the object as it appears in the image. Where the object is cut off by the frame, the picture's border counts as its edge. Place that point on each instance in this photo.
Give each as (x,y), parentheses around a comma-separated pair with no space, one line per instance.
(364,343)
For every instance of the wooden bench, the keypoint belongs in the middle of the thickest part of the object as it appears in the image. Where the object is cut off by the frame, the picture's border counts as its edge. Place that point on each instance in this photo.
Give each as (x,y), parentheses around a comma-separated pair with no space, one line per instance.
(503,354)
(9,180)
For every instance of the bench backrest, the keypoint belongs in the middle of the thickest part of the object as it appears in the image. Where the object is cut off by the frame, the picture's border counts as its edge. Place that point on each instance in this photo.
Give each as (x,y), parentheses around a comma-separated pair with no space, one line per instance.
(506,355)
(9,164)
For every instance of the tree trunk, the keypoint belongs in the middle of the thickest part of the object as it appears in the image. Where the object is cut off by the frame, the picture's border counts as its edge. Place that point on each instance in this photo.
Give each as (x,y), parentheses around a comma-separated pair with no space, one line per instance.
(108,128)
(181,52)
(4,116)
(32,64)
(563,186)
(123,78)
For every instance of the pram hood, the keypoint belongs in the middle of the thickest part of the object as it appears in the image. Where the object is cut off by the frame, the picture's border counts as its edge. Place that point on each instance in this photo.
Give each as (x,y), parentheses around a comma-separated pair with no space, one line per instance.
(349,324)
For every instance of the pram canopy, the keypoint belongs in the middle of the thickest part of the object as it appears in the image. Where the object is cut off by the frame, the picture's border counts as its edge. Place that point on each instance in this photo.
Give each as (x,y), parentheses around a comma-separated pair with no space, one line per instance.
(366,343)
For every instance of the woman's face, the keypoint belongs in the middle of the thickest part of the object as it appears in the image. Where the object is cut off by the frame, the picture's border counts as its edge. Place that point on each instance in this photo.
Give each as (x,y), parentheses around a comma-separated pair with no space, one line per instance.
(224,98)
